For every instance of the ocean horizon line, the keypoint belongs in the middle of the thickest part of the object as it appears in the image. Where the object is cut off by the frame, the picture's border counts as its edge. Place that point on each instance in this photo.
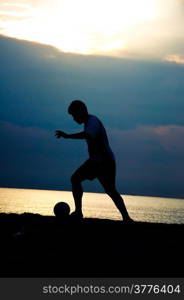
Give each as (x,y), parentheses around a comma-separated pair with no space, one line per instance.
(89,192)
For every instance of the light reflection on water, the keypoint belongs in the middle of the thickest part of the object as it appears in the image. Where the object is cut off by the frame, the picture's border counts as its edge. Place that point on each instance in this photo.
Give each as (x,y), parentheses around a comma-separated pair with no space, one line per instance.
(95,205)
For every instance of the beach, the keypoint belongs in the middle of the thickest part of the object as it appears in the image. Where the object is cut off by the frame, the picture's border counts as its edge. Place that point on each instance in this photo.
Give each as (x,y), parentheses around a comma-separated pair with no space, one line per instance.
(51,247)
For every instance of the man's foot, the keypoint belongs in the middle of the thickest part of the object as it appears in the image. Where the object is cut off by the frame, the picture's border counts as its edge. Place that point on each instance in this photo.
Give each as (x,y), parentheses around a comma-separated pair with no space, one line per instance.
(76,215)
(128,220)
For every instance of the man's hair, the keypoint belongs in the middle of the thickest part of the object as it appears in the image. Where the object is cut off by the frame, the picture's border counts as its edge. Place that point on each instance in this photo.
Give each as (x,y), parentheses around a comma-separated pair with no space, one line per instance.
(77,106)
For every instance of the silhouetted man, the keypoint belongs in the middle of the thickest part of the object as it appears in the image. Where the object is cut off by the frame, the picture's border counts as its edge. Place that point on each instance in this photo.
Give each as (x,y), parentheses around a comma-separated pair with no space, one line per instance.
(101,162)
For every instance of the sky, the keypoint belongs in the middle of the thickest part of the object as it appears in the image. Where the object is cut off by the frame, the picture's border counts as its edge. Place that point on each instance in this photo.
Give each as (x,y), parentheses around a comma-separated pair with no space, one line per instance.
(126,64)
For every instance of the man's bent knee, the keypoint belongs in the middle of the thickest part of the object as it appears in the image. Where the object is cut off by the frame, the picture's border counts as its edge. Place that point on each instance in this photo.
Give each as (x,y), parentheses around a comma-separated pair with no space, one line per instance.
(75,179)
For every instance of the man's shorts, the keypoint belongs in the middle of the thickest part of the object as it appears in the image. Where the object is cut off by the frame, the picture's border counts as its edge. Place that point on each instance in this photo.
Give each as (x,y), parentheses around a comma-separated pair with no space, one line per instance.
(104,171)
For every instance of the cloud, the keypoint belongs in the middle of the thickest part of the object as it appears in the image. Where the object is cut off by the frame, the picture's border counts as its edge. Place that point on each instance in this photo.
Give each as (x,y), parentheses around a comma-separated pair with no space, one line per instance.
(143,93)
(150,160)
(171,138)
(13,4)
(8,18)
(168,140)
(12,14)
(179,59)
(32,157)
(11,8)
(23,132)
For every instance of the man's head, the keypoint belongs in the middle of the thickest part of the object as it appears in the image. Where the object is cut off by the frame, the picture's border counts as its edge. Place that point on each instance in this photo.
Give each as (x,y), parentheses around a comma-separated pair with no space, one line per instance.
(78,110)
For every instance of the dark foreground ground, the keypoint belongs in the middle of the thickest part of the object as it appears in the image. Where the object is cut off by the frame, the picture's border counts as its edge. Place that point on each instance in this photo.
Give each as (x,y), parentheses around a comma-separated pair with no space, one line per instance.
(91,248)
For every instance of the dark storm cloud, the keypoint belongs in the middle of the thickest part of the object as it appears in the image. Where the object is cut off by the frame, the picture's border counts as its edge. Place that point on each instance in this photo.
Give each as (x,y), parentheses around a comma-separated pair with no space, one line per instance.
(32,157)
(140,102)
(36,84)
(150,159)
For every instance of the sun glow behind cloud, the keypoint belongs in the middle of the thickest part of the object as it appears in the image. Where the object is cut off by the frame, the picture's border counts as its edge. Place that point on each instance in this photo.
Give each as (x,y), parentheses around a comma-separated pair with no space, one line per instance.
(80,26)
(105,27)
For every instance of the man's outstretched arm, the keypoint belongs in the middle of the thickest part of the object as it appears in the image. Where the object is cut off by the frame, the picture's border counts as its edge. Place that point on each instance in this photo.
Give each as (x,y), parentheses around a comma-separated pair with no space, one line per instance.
(79,135)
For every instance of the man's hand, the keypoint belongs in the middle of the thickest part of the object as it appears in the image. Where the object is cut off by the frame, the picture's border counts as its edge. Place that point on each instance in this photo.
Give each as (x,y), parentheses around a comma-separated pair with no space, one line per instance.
(59,133)
(79,135)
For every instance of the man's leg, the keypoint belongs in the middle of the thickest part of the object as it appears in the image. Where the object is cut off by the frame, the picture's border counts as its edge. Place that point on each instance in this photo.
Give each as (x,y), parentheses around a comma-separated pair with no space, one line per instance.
(119,202)
(82,173)
(107,177)
(77,192)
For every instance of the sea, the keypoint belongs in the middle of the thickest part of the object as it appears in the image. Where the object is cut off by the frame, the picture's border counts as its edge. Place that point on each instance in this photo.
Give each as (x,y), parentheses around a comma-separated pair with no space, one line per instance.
(95,205)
